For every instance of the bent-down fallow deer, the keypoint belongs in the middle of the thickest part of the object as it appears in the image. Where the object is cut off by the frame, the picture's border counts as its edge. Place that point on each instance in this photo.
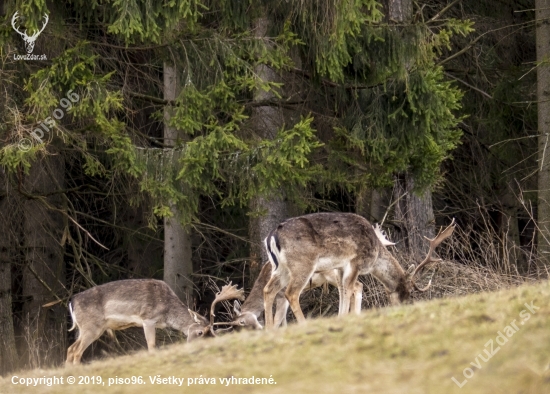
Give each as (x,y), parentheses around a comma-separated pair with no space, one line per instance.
(146,303)
(303,245)
(247,315)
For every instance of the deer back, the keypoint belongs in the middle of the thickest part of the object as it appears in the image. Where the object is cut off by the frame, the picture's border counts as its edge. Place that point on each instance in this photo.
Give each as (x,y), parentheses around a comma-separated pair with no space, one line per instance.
(328,240)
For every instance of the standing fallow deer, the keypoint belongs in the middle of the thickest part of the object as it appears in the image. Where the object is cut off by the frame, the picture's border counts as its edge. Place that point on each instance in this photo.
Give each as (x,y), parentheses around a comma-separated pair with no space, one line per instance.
(246,316)
(304,245)
(146,303)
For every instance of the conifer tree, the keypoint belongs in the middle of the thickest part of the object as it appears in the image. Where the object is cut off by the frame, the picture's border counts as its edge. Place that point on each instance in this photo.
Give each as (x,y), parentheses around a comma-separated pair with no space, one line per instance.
(178,263)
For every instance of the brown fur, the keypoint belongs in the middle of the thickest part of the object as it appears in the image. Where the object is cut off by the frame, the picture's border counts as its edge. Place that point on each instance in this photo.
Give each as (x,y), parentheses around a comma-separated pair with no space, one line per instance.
(118,305)
(247,315)
(323,241)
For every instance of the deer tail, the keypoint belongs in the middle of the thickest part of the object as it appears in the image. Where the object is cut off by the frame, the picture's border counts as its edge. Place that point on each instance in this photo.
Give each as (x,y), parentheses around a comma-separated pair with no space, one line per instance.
(73,316)
(272,246)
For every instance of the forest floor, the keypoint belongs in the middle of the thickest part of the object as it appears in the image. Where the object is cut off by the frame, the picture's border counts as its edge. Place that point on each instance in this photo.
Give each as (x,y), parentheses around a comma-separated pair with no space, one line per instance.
(488,342)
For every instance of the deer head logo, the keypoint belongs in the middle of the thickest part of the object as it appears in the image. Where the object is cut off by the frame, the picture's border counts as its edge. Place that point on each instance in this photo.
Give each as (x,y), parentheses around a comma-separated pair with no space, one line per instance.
(29,40)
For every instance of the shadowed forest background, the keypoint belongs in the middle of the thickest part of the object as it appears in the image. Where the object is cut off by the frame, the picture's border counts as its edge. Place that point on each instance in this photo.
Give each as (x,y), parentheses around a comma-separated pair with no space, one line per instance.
(201,125)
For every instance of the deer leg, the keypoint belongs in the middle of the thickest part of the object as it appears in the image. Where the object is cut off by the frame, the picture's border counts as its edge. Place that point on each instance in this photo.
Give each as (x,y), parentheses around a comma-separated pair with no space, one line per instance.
(281,309)
(70,352)
(334,277)
(293,291)
(357,297)
(340,286)
(149,329)
(85,339)
(349,278)
(270,292)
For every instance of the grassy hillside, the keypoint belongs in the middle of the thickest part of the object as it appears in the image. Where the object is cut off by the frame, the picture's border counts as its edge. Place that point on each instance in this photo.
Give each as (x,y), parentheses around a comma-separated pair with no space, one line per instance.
(410,349)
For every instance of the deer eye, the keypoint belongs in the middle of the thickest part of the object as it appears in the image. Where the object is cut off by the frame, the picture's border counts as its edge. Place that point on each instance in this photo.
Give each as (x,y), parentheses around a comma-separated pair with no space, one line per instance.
(200,333)
(241,322)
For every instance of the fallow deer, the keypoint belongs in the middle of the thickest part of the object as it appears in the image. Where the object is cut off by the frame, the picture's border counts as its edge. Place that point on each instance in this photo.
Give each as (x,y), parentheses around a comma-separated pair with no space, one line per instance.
(304,245)
(146,303)
(246,316)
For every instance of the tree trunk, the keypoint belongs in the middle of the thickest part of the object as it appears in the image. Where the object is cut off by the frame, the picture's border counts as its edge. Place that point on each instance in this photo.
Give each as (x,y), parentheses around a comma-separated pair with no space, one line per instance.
(44,271)
(414,214)
(509,233)
(267,212)
(398,10)
(8,252)
(8,243)
(178,263)
(371,204)
(543,102)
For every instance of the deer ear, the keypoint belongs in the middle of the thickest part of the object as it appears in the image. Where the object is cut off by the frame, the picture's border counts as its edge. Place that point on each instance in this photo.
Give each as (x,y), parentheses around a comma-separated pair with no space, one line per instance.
(196,317)
(237,308)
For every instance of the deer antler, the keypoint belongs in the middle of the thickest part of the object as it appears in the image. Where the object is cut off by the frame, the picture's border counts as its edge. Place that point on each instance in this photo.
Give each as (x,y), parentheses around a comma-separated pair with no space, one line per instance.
(434,243)
(228,292)
(381,235)
(13,19)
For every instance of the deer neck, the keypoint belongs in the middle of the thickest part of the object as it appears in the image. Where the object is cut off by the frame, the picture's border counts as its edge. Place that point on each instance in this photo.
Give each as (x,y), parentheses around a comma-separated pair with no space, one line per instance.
(401,280)
(179,317)
(254,303)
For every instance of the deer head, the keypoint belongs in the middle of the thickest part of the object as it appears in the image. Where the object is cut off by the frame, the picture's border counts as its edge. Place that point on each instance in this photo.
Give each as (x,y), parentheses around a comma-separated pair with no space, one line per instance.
(245,319)
(29,40)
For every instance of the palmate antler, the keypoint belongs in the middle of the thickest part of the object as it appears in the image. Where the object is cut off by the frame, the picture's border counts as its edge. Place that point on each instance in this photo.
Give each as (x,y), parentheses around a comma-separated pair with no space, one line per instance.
(381,235)
(228,292)
(434,243)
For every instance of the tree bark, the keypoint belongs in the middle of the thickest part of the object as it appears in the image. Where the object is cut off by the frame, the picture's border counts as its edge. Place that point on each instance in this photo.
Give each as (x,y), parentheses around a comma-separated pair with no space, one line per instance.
(267,212)
(178,263)
(44,270)
(413,212)
(398,10)
(8,242)
(543,102)
(371,204)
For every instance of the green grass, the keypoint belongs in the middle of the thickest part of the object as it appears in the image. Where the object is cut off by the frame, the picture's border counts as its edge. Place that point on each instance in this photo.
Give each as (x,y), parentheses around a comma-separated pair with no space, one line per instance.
(409,349)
